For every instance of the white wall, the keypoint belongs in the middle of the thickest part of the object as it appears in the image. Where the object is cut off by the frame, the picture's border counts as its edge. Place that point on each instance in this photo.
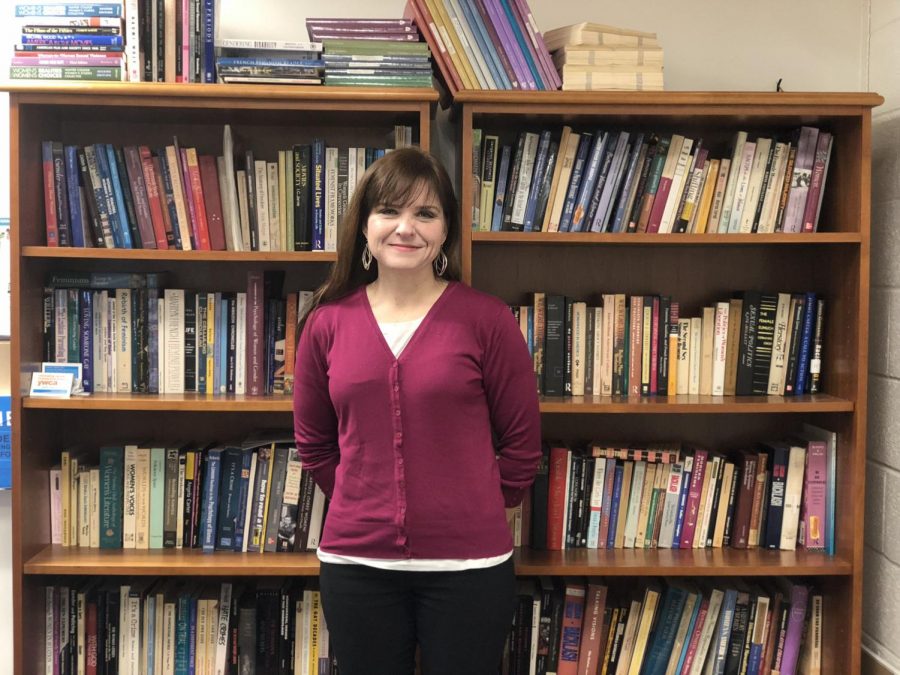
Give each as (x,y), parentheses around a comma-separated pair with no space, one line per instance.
(881,621)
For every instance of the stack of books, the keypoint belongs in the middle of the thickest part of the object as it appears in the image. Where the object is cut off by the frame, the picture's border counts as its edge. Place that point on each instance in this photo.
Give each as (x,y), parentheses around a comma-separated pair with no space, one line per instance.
(372,52)
(591,56)
(485,44)
(268,62)
(62,41)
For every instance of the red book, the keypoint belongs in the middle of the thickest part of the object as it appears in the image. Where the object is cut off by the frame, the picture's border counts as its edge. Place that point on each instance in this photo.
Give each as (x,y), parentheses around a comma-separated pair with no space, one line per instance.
(187,187)
(212,201)
(156,205)
(636,348)
(570,631)
(740,527)
(416,10)
(693,500)
(139,193)
(589,654)
(50,218)
(816,182)
(196,192)
(255,335)
(90,638)
(558,497)
(163,201)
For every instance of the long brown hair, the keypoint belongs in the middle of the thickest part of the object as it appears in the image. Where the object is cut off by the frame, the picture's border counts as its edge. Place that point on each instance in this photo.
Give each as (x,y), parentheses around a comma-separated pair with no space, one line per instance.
(394,179)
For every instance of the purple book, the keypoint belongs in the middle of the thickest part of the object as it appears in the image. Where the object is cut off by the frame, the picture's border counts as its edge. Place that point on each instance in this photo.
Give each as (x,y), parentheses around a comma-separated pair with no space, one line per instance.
(499,47)
(799,602)
(382,24)
(536,43)
(504,32)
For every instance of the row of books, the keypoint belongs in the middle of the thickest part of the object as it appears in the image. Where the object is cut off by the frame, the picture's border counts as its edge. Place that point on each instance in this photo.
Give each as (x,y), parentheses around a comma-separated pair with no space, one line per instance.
(62,41)
(618,181)
(253,496)
(755,344)
(485,44)
(591,56)
(181,627)
(131,336)
(178,198)
(777,495)
(574,626)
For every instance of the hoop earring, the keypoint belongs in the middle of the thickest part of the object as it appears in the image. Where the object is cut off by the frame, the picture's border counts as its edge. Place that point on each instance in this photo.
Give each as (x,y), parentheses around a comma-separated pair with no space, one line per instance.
(440,263)
(366,257)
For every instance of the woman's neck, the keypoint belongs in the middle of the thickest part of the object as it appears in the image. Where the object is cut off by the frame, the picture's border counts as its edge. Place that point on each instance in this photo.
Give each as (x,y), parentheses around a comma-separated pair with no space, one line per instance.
(395,297)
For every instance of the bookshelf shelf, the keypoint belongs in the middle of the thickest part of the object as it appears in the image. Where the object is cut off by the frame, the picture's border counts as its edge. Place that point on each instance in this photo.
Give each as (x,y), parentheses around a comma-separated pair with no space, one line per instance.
(677,562)
(164,402)
(177,256)
(605,239)
(170,562)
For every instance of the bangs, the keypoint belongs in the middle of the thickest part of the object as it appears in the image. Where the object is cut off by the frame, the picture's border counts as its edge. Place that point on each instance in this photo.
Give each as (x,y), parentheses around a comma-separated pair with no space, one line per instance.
(402,184)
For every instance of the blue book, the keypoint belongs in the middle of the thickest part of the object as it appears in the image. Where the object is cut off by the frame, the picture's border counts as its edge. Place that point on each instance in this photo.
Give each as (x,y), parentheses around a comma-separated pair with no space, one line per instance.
(239,61)
(210,500)
(74,39)
(60,192)
(86,342)
(723,631)
(150,601)
(119,195)
(246,460)
(112,477)
(169,197)
(153,339)
(318,194)
(76,220)
(109,195)
(597,160)
(182,628)
(630,177)
(208,55)
(70,9)
(485,44)
(614,506)
(229,498)
(584,145)
(613,178)
(682,502)
(502,181)
(663,637)
(523,46)
(690,631)
(537,179)
(192,634)
(543,198)
(806,336)
(529,321)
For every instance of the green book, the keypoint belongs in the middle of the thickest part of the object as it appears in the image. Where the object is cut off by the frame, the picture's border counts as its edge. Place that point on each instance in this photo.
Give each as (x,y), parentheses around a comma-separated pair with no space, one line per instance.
(112,476)
(376,47)
(157,495)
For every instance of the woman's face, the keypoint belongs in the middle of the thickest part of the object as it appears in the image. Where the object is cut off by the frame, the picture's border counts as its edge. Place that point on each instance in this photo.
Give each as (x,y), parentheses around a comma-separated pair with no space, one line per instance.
(406,237)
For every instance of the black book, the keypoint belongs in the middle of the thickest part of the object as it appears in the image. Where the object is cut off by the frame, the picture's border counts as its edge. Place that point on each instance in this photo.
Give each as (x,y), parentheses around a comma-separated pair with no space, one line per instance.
(231,345)
(190,341)
(739,624)
(662,345)
(567,356)
(90,199)
(798,305)
(747,346)
(250,171)
(572,519)
(765,340)
(512,185)
(540,492)
(302,218)
(136,241)
(555,346)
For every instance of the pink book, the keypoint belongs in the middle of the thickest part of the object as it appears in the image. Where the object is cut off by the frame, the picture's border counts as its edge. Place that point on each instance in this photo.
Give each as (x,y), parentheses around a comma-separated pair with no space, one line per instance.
(255,334)
(537,45)
(570,634)
(654,347)
(198,214)
(500,48)
(659,204)
(636,346)
(504,31)
(139,195)
(186,62)
(814,492)
(816,182)
(695,637)
(799,602)
(693,500)
(151,182)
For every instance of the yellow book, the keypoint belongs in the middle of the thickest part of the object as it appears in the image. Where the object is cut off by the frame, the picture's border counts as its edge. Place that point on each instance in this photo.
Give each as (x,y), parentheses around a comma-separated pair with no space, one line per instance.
(282,201)
(557,170)
(142,498)
(268,494)
(452,43)
(648,612)
(709,187)
(646,496)
(315,612)
(628,469)
(709,477)
(181,212)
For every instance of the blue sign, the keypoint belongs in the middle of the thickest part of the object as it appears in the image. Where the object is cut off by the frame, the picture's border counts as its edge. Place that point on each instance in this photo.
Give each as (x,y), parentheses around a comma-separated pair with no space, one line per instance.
(5,442)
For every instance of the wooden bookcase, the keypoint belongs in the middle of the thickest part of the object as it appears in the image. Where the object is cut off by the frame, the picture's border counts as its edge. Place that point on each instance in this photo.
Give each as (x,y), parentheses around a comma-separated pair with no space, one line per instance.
(263,118)
(696,269)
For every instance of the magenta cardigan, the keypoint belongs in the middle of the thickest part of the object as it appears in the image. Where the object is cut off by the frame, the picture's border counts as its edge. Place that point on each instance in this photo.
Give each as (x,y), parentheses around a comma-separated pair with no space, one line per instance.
(418,454)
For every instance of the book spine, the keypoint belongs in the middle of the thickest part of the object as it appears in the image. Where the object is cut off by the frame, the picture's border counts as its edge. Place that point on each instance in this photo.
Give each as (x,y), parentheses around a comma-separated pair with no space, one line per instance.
(806,337)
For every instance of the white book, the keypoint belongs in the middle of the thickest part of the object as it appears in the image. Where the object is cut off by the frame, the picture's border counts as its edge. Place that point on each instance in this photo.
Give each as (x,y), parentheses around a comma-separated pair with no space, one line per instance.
(49,620)
(285,158)
(609,329)
(706,633)
(279,45)
(469,45)
(352,175)
(272,183)
(315,519)
(742,187)
(83,483)
(129,494)
(360,164)
(597,487)
(683,364)
(179,520)
(566,155)
(222,634)
(773,189)
(733,168)
(174,339)
(696,346)
(715,211)
(168,658)
(79,632)
(793,493)
(99,374)
(202,637)
(754,187)
(243,209)
(520,199)
(634,502)
(111,342)
(780,345)
(670,506)
(679,178)
(133,634)
(55,491)
(707,340)
(248,511)
(597,384)
(307,630)
(720,345)
(95,508)
(261,184)
(579,337)
(331,198)
(123,340)
(712,471)
(161,332)
(240,374)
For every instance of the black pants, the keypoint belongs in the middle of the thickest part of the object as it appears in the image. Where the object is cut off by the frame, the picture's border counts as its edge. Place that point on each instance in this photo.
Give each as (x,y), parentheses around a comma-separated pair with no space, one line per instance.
(376,617)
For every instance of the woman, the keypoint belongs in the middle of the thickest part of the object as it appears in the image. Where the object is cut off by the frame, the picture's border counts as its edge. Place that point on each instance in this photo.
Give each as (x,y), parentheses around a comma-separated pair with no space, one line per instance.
(416,412)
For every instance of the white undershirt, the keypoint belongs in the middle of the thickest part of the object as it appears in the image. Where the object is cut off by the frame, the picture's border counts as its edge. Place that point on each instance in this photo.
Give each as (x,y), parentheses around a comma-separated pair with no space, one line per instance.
(397,334)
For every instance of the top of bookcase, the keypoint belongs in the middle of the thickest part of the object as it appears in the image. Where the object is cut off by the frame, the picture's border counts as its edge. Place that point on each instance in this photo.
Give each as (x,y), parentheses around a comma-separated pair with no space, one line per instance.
(228,91)
(705,99)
